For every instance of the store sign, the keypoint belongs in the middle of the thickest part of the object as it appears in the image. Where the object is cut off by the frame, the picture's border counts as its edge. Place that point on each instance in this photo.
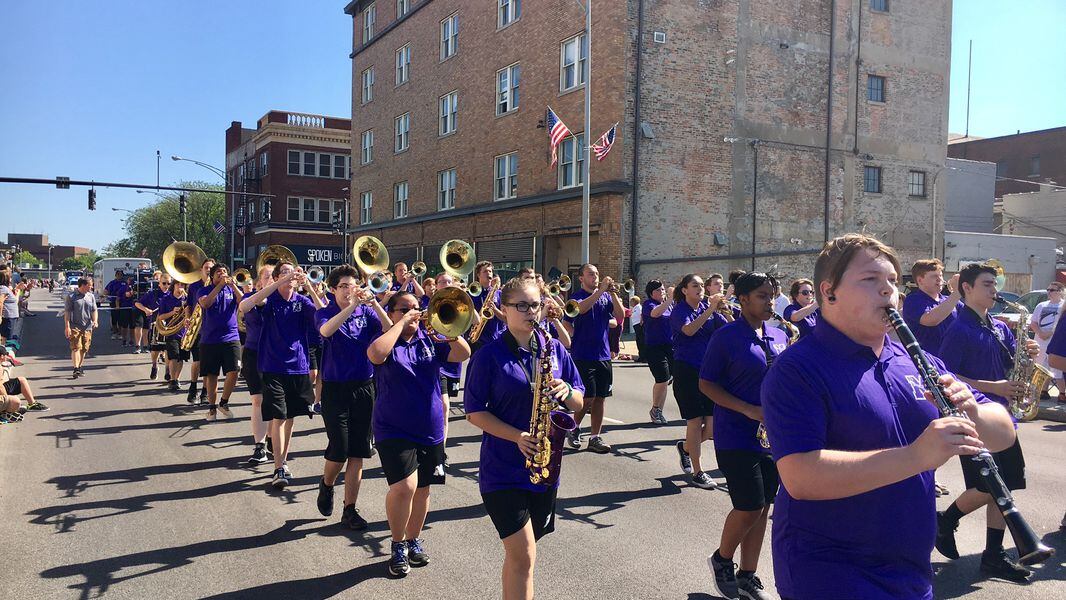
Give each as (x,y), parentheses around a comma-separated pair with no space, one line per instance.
(318,255)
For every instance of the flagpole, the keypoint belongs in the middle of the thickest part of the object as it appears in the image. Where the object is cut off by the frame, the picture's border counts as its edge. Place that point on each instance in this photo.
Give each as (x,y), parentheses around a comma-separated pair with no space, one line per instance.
(588,132)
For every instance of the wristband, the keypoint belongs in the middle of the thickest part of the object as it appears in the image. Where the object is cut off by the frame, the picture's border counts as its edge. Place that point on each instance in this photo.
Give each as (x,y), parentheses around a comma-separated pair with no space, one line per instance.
(569,393)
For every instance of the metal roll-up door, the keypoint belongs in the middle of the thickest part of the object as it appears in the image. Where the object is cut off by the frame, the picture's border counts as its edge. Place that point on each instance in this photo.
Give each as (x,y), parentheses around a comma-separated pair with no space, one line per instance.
(506,251)
(407,255)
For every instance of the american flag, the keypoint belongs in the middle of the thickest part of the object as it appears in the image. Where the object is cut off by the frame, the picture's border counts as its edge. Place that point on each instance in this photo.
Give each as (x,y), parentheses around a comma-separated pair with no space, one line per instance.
(219,227)
(557,132)
(603,145)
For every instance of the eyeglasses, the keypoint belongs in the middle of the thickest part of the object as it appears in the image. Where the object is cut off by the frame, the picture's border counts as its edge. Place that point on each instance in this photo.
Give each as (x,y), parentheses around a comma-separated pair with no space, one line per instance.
(524,307)
(1049,290)
(403,311)
(164,283)
(806,292)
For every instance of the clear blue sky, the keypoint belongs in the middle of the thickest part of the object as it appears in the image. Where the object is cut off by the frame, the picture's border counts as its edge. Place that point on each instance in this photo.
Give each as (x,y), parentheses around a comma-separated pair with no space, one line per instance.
(92,89)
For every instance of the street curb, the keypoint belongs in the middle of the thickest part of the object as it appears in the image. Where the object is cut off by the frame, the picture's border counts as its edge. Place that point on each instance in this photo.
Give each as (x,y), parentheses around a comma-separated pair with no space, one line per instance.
(1052,411)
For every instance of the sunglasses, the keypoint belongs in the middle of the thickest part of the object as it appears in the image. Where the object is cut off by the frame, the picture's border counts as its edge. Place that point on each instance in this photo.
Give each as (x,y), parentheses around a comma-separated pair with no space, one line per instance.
(164,284)
(403,311)
(806,292)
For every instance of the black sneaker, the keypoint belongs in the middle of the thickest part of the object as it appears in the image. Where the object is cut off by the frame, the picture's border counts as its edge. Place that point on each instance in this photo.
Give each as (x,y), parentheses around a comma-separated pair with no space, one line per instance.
(259,455)
(398,565)
(416,554)
(203,396)
(751,588)
(686,462)
(597,445)
(725,577)
(280,480)
(154,373)
(174,386)
(76,374)
(351,518)
(703,480)
(998,564)
(166,375)
(325,498)
(191,398)
(945,536)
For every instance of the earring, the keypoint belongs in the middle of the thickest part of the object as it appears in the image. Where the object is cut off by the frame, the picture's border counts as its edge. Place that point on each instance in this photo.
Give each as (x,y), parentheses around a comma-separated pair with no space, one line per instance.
(832,298)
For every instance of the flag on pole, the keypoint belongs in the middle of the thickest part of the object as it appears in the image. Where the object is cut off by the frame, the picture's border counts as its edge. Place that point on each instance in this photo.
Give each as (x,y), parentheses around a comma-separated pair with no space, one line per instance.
(557,132)
(219,227)
(604,144)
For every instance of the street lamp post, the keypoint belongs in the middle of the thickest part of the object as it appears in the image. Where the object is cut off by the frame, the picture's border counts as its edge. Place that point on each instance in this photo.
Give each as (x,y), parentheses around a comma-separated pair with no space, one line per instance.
(231,209)
(50,246)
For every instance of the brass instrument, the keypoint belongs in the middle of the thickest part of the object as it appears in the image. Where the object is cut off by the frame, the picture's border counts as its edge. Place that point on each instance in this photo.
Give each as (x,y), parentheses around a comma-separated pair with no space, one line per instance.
(547,426)
(273,255)
(183,261)
(379,282)
(316,275)
(1026,370)
(192,332)
(242,277)
(372,260)
(165,327)
(458,259)
(565,284)
(418,269)
(572,309)
(474,289)
(487,312)
(554,288)
(450,313)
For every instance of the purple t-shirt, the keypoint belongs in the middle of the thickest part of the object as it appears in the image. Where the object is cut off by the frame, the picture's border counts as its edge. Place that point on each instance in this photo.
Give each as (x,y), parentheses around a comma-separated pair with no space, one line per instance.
(829,392)
(167,303)
(1057,344)
(498,383)
(220,320)
(253,330)
(116,292)
(590,341)
(495,327)
(916,304)
(344,353)
(408,403)
(736,360)
(973,350)
(806,324)
(193,290)
(150,300)
(690,348)
(127,301)
(656,329)
(286,329)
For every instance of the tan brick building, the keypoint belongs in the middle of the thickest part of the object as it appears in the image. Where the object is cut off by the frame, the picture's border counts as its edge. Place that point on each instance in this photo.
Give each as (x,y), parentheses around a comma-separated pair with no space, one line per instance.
(722,111)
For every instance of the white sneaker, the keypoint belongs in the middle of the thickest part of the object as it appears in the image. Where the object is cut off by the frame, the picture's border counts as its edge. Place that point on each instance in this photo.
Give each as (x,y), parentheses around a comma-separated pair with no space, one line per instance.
(212,414)
(224,409)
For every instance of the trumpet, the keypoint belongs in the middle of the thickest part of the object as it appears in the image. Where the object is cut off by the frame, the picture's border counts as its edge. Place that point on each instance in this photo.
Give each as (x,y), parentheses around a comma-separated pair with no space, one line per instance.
(316,275)
(565,284)
(628,286)
(418,269)
(379,282)
(572,309)
(554,288)
(474,289)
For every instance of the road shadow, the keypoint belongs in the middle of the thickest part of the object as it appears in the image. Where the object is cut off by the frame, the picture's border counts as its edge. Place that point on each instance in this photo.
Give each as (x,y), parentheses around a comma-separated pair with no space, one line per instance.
(957,578)
(312,588)
(605,502)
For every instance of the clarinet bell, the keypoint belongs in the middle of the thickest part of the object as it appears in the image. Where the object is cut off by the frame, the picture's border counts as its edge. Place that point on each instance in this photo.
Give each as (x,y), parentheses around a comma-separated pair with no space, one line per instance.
(1031,551)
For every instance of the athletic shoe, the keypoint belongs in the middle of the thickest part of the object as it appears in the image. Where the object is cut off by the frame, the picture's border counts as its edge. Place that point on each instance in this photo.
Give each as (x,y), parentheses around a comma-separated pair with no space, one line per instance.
(657,416)
(166,374)
(173,387)
(76,374)
(750,587)
(203,396)
(725,577)
(597,445)
(945,536)
(223,407)
(191,398)
(941,489)
(325,498)
(280,480)
(686,462)
(286,471)
(154,373)
(398,565)
(416,554)
(37,406)
(316,408)
(259,455)
(351,518)
(997,564)
(703,480)
(212,414)
(573,439)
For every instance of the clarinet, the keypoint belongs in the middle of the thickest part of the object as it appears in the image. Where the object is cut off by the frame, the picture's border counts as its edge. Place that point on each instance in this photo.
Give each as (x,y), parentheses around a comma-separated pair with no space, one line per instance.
(1031,550)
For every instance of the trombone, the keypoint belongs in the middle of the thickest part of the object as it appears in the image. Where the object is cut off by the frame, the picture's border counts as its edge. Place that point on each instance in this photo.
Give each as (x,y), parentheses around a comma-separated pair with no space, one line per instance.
(372,260)
(242,277)
(273,255)
(450,313)
(458,259)
(418,269)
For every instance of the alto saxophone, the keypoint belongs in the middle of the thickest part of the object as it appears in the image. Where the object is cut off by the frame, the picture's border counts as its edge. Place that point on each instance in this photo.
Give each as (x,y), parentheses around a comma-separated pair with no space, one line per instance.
(486,312)
(1026,405)
(546,425)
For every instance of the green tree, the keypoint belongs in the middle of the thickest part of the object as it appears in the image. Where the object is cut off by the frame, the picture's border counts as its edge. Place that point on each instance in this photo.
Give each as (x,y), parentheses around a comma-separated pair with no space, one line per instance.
(25,257)
(79,263)
(151,229)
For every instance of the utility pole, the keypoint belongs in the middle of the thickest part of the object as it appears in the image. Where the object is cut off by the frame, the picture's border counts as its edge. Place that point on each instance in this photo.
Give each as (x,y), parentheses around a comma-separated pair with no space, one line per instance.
(588,133)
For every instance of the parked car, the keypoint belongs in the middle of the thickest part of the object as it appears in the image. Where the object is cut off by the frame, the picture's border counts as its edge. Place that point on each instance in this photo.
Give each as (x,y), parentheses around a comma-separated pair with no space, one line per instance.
(1010,316)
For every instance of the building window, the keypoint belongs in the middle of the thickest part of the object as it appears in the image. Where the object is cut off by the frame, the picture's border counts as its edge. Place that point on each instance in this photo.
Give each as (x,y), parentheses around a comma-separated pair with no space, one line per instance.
(446,189)
(266,209)
(573,63)
(448,107)
(399,194)
(1001,168)
(294,162)
(338,210)
(367,153)
(871,180)
(309,164)
(251,213)
(916,184)
(403,132)
(368,85)
(449,36)
(1034,165)
(309,210)
(366,202)
(509,11)
(506,176)
(294,210)
(264,162)
(240,174)
(879,5)
(369,16)
(875,88)
(507,88)
(340,166)
(572,161)
(325,161)
(323,211)
(403,64)
(402,6)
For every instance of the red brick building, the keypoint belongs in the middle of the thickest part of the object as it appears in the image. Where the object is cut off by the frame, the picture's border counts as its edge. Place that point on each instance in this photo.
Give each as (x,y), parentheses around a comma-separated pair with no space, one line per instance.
(1036,156)
(304,161)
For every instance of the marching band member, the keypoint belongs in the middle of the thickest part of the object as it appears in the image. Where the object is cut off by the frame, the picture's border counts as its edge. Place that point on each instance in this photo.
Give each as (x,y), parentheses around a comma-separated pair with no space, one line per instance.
(429,287)
(405,280)
(347,325)
(856,441)
(171,305)
(553,316)
(692,321)
(148,305)
(803,310)
(597,305)
(658,353)
(980,351)
(484,274)
(220,346)
(731,375)
(284,359)
(253,330)
(928,312)
(408,423)
(499,400)
(193,293)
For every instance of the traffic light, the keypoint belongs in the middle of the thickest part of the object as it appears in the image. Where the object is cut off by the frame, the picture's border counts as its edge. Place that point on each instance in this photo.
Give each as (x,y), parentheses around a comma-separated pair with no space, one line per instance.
(92,199)
(182,204)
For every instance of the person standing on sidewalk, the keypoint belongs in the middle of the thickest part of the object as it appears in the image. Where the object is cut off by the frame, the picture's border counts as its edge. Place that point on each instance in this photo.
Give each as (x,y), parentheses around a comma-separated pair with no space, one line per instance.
(80,318)
(9,301)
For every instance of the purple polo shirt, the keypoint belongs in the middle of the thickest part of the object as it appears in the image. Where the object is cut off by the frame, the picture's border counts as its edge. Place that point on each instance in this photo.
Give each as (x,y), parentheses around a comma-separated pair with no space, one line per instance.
(495,327)
(123,300)
(690,348)
(253,330)
(220,320)
(806,324)
(829,392)
(656,329)
(736,360)
(916,304)
(971,349)
(116,291)
(408,403)
(193,291)
(1057,344)
(167,303)
(499,384)
(286,329)
(344,353)
(589,341)
(150,300)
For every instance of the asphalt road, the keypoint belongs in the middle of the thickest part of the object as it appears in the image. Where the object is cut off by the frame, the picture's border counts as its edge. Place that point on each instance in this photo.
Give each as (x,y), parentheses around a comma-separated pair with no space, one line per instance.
(122,490)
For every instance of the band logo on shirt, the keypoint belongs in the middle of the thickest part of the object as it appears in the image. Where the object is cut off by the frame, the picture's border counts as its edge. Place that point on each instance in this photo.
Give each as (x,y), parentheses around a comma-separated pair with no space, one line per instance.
(779,348)
(917,387)
(359,322)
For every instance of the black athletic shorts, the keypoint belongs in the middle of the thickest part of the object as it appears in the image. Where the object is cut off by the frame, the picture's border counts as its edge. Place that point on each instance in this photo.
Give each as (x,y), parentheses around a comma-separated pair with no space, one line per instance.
(449,386)
(286,396)
(194,351)
(12,387)
(347,407)
(399,458)
(224,357)
(511,509)
(124,317)
(1011,463)
(751,477)
(174,351)
(690,399)
(250,371)
(597,377)
(314,356)
(136,318)
(660,359)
